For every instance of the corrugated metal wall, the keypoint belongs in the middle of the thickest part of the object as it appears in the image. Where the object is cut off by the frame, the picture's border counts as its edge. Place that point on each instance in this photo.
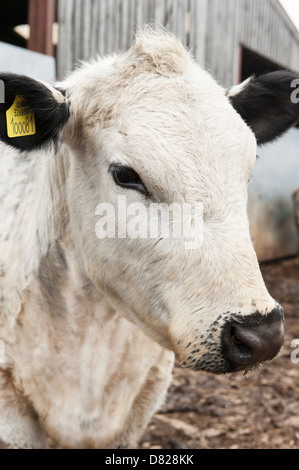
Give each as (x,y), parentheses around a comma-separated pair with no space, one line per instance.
(89,27)
(213,29)
(260,25)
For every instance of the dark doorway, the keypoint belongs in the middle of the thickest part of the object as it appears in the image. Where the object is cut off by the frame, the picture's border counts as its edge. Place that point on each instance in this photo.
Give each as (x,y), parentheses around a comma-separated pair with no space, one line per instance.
(255,64)
(38,14)
(13,14)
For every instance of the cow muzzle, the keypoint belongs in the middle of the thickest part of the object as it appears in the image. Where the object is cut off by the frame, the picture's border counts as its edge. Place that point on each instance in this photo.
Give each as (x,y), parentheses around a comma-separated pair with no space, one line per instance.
(248,341)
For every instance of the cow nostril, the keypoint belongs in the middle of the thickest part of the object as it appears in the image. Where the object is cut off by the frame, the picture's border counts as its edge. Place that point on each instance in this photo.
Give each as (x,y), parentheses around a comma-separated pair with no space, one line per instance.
(234,337)
(241,347)
(252,340)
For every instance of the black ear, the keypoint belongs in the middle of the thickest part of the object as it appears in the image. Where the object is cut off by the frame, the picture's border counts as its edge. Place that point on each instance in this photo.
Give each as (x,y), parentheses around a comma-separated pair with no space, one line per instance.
(267,103)
(32,113)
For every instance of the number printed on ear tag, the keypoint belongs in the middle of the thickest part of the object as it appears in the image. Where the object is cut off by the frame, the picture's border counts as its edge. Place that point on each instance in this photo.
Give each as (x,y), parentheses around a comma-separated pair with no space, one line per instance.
(20,119)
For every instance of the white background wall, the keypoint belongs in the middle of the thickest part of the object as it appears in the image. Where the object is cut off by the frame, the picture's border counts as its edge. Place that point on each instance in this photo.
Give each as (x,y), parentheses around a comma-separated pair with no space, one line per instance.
(270,203)
(19,60)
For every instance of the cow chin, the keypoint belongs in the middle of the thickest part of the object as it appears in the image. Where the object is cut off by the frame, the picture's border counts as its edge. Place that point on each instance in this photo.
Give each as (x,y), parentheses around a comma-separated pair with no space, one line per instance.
(237,343)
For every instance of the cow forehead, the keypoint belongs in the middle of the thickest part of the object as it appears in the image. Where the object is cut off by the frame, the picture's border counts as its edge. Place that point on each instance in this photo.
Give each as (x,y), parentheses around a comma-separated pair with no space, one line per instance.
(188,116)
(127,84)
(187,112)
(184,126)
(173,99)
(170,114)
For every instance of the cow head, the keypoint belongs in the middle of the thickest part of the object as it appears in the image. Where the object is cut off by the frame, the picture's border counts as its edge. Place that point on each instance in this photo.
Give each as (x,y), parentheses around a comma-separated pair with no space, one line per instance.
(153,126)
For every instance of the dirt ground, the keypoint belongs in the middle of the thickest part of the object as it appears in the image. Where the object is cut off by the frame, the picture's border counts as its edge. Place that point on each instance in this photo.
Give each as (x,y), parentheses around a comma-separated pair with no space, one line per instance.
(257,411)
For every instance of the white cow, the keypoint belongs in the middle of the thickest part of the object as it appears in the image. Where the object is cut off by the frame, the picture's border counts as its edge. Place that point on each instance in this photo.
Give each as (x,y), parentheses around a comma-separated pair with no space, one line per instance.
(91,326)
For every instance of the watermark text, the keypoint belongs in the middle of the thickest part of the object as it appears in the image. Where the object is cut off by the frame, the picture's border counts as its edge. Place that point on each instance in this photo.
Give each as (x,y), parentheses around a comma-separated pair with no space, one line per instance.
(151,220)
(295,93)
(295,353)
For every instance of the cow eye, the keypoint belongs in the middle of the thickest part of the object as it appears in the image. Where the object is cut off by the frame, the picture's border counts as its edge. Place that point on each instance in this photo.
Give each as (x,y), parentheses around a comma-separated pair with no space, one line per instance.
(126,177)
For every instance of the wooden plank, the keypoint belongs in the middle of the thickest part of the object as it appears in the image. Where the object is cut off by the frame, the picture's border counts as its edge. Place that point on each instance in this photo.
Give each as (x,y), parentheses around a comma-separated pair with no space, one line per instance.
(232,45)
(61,12)
(123,24)
(194,22)
(178,24)
(94,13)
(159,11)
(65,60)
(237,74)
(209,38)
(130,24)
(217,43)
(101,26)
(109,27)
(41,16)
(267,26)
(117,35)
(113,22)
(86,29)
(168,13)
(76,27)
(150,11)
(139,14)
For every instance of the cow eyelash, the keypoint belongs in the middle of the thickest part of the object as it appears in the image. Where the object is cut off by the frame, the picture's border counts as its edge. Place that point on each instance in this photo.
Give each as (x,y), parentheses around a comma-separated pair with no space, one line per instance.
(126,177)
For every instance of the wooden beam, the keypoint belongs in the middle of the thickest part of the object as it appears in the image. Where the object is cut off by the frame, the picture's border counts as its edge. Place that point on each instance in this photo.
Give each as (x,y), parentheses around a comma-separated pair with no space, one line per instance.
(240,63)
(41,16)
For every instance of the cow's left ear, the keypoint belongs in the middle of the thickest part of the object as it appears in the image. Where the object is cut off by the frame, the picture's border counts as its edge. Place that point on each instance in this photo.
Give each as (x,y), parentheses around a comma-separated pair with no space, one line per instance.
(32,114)
(268,104)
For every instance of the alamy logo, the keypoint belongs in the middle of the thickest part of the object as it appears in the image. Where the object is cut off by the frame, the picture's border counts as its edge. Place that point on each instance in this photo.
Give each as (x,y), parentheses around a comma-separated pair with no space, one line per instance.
(153,220)
(295,94)
(295,353)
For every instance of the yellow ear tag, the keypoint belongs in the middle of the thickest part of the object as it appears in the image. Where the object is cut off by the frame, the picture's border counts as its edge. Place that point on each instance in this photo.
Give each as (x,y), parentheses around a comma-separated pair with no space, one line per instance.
(20,119)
